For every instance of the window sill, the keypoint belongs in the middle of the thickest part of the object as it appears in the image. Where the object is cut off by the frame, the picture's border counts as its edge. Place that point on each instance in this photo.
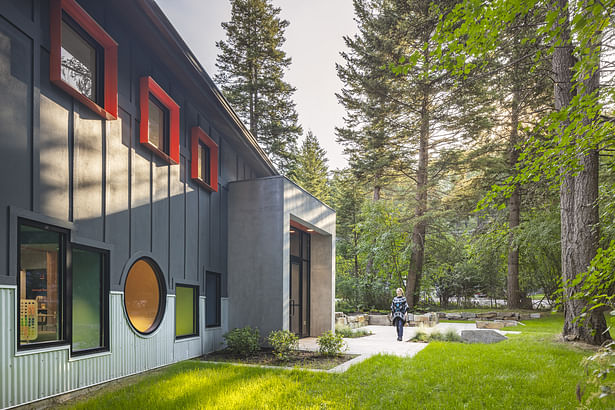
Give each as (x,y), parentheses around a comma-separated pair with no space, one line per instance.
(89,356)
(164,156)
(34,350)
(190,338)
(100,111)
(204,184)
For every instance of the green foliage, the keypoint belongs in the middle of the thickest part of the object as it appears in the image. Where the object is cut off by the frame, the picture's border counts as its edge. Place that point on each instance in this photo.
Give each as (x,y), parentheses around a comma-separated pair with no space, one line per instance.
(284,342)
(310,170)
(384,239)
(347,200)
(436,336)
(362,293)
(331,344)
(251,66)
(600,382)
(243,341)
(347,332)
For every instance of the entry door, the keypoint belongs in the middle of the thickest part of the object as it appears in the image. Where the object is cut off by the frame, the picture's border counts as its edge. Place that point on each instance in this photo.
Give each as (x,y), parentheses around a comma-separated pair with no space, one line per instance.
(295,298)
(299,298)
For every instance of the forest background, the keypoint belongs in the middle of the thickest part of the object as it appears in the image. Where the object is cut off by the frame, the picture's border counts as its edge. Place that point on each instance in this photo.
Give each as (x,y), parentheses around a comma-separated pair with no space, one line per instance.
(479,139)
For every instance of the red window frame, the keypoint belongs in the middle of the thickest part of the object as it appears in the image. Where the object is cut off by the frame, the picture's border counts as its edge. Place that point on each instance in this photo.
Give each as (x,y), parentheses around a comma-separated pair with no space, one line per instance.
(200,136)
(94,30)
(149,86)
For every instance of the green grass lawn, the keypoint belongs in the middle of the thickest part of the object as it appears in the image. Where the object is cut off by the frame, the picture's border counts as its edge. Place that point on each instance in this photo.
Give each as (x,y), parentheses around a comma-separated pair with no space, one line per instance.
(528,371)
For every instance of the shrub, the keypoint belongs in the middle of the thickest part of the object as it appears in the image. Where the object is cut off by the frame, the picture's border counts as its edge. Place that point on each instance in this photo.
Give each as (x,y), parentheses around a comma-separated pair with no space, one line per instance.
(347,332)
(449,336)
(243,341)
(331,344)
(283,343)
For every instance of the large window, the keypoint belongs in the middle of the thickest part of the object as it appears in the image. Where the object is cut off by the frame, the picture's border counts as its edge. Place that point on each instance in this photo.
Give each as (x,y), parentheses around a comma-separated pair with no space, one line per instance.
(54,274)
(41,271)
(186,311)
(90,304)
(159,128)
(213,297)
(144,296)
(83,58)
(204,153)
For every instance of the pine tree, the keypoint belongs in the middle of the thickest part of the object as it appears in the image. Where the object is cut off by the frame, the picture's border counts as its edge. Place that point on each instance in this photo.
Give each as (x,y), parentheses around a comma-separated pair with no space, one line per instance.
(251,67)
(311,169)
(375,127)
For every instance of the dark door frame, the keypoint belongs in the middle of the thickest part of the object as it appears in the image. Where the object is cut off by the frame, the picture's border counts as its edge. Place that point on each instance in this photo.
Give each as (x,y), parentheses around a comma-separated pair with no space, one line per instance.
(302,305)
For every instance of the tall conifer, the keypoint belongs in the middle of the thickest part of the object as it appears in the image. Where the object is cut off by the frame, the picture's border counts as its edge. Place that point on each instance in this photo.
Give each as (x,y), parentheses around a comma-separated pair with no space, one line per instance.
(251,67)
(311,168)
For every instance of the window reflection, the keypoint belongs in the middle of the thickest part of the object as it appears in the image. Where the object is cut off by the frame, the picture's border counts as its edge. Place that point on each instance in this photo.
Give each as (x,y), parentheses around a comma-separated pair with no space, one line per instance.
(157,126)
(39,285)
(142,297)
(78,62)
(213,293)
(87,299)
(204,163)
(185,311)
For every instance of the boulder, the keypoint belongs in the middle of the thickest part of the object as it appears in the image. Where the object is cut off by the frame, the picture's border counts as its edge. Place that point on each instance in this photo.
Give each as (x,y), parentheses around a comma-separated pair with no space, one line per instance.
(525,316)
(453,316)
(379,320)
(466,315)
(534,315)
(486,315)
(481,336)
(357,320)
(441,315)
(483,324)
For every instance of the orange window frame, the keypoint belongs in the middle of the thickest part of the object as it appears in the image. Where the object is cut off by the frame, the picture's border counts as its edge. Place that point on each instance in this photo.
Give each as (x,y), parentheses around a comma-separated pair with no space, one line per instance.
(200,136)
(98,34)
(149,86)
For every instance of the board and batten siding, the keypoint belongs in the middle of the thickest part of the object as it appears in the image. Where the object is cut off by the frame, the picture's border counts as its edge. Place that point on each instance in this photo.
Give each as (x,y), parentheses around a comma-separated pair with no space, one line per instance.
(58,159)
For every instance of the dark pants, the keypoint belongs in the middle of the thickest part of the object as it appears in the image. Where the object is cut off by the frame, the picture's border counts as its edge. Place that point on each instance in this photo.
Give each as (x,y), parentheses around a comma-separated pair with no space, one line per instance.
(399,323)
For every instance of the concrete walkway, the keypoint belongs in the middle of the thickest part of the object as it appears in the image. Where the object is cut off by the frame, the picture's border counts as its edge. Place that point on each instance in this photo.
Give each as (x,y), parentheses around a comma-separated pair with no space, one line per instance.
(384,341)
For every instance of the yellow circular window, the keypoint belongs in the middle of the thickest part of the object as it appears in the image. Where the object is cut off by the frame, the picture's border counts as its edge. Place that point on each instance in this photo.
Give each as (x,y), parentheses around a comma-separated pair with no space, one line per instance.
(144,296)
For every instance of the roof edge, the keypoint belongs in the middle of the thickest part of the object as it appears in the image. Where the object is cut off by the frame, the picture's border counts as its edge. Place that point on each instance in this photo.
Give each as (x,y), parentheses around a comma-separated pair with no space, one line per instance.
(160,20)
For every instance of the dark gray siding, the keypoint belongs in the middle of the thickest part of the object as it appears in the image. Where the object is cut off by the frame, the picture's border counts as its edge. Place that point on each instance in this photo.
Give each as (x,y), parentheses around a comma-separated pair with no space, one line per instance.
(60,160)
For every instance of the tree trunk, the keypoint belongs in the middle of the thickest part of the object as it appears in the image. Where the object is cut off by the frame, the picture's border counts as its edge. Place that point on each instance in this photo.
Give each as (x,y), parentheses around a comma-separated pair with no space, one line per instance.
(369,266)
(578,207)
(418,234)
(514,208)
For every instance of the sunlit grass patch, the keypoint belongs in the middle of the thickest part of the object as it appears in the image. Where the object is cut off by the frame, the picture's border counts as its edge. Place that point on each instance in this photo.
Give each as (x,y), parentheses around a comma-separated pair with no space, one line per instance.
(528,371)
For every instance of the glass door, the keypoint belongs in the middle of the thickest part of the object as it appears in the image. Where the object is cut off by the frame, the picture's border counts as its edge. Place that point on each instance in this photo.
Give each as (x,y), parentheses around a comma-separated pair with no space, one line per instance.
(295,298)
(299,302)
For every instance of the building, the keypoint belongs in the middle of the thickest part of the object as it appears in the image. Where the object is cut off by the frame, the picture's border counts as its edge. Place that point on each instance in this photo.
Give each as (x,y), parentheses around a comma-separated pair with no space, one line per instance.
(140,220)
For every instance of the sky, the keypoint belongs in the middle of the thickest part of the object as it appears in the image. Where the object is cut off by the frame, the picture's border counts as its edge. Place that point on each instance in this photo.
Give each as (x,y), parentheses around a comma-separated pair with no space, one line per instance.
(314,40)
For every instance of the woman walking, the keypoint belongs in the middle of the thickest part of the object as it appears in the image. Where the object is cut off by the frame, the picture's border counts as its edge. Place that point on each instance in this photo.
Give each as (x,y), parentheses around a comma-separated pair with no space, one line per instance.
(399,307)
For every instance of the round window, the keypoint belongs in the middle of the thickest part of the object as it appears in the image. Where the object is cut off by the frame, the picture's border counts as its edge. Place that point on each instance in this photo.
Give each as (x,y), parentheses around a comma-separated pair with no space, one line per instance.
(144,296)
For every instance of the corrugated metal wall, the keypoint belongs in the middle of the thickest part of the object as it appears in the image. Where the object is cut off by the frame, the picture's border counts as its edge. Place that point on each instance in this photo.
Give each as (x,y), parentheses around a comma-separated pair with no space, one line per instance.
(36,375)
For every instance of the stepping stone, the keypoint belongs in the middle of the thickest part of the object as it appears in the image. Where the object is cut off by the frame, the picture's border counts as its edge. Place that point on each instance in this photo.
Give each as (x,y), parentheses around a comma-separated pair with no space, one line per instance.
(481,336)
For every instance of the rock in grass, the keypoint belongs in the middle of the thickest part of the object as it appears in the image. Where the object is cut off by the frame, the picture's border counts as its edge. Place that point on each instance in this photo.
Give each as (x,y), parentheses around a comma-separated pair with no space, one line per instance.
(484,324)
(481,336)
